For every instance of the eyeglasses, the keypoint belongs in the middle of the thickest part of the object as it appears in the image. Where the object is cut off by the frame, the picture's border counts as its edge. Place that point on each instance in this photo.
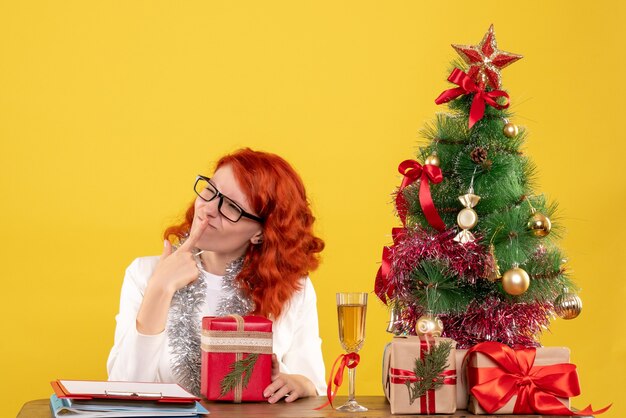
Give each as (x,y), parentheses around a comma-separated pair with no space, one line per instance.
(229,209)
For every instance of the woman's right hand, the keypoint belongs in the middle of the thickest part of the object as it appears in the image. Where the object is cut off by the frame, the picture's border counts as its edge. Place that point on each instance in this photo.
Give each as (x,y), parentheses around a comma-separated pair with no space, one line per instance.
(176,269)
(173,271)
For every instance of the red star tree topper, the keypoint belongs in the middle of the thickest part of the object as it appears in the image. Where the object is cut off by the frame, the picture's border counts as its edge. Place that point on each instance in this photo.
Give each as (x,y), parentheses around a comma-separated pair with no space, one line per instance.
(486,60)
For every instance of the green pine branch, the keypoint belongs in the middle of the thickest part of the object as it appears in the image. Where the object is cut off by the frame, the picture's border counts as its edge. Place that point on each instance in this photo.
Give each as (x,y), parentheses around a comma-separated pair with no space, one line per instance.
(438,289)
(428,370)
(240,371)
(504,177)
(549,276)
(508,231)
(444,131)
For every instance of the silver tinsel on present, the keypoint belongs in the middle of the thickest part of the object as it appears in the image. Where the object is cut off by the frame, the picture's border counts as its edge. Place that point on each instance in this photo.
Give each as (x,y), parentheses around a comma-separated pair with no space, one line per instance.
(185,323)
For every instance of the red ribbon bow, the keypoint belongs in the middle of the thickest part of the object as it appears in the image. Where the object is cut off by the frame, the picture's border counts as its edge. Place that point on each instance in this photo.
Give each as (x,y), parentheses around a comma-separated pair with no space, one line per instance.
(350,360)
(536,387)
(467,86)
(412,170)
(382,286)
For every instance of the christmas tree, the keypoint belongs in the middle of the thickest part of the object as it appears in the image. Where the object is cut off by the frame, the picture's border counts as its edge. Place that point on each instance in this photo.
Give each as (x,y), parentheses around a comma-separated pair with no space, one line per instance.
(476,258)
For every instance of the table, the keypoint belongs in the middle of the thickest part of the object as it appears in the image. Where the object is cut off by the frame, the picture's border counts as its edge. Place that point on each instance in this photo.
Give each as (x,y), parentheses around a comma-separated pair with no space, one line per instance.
(378,408)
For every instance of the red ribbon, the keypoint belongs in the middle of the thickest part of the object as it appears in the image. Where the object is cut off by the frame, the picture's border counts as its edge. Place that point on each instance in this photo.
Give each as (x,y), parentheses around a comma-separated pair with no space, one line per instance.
(400,376)
(382,286)
(481,97)
(536,387)
(350,360)
(412,170)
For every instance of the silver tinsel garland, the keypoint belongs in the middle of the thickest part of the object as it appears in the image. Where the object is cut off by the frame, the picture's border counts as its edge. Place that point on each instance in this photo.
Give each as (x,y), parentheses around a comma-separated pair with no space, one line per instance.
(185,323)
(234,301)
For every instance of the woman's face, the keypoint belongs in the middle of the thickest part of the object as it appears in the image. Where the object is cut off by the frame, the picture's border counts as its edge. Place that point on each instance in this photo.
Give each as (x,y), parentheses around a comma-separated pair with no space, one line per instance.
(222,236)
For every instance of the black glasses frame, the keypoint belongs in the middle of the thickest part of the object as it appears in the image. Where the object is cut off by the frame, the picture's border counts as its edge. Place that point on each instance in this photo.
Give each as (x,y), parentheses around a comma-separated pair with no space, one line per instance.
(219,194)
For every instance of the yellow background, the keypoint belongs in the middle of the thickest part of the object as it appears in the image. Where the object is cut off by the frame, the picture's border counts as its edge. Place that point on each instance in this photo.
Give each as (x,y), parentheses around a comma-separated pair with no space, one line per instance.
(108,110)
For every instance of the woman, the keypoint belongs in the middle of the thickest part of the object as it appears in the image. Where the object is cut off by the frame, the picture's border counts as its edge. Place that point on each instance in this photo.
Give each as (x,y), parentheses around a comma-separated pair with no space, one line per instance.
(247,247)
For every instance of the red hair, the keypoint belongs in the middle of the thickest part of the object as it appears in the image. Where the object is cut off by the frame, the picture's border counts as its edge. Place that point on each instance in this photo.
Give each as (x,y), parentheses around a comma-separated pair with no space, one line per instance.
(272,270)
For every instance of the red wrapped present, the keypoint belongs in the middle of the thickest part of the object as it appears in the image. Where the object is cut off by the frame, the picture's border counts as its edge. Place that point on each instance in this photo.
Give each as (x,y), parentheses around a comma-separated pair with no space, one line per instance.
(502,380)
(236,358)
(401,383)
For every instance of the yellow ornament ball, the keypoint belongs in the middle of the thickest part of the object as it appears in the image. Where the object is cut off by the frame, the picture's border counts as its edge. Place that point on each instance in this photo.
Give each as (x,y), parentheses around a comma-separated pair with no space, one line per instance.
(515,281)
(432,160)
(539,224)
(429,325)
(510,130)
(568,305)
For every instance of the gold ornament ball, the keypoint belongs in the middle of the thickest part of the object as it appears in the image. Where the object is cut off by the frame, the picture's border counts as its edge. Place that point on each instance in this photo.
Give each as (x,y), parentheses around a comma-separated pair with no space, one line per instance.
(432,160)
(429,325)
(515,281)
(510,130)
(568,305)
(539,224)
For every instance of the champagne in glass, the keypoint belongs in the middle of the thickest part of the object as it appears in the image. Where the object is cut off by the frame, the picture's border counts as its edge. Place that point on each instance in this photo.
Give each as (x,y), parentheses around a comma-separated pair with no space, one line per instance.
(351,309)
(351,326)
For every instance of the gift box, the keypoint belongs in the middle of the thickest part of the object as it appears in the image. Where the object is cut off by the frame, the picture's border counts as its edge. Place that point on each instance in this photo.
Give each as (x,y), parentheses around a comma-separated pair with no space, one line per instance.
(502,380)
(237,356)
(462,393)
(399,377)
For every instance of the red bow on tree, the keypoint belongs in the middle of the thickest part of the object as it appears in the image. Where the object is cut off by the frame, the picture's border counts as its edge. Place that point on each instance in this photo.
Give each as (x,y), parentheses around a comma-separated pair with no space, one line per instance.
(481,97)
(412,170)
(382,285)
(536,387)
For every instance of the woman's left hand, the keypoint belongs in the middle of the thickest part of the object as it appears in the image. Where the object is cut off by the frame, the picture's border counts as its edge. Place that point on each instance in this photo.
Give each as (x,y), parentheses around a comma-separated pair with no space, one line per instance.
(293,386)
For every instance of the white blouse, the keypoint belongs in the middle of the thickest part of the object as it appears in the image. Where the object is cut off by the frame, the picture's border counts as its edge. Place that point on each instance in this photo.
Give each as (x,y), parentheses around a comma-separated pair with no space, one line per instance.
(147,358)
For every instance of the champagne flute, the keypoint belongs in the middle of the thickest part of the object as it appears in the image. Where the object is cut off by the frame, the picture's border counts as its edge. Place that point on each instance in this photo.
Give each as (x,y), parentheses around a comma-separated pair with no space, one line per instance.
(351,308)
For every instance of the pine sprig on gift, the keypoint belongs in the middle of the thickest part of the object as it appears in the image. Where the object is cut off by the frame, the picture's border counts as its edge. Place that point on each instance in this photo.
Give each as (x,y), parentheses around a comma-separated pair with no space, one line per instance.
(240,371)
(428,370)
